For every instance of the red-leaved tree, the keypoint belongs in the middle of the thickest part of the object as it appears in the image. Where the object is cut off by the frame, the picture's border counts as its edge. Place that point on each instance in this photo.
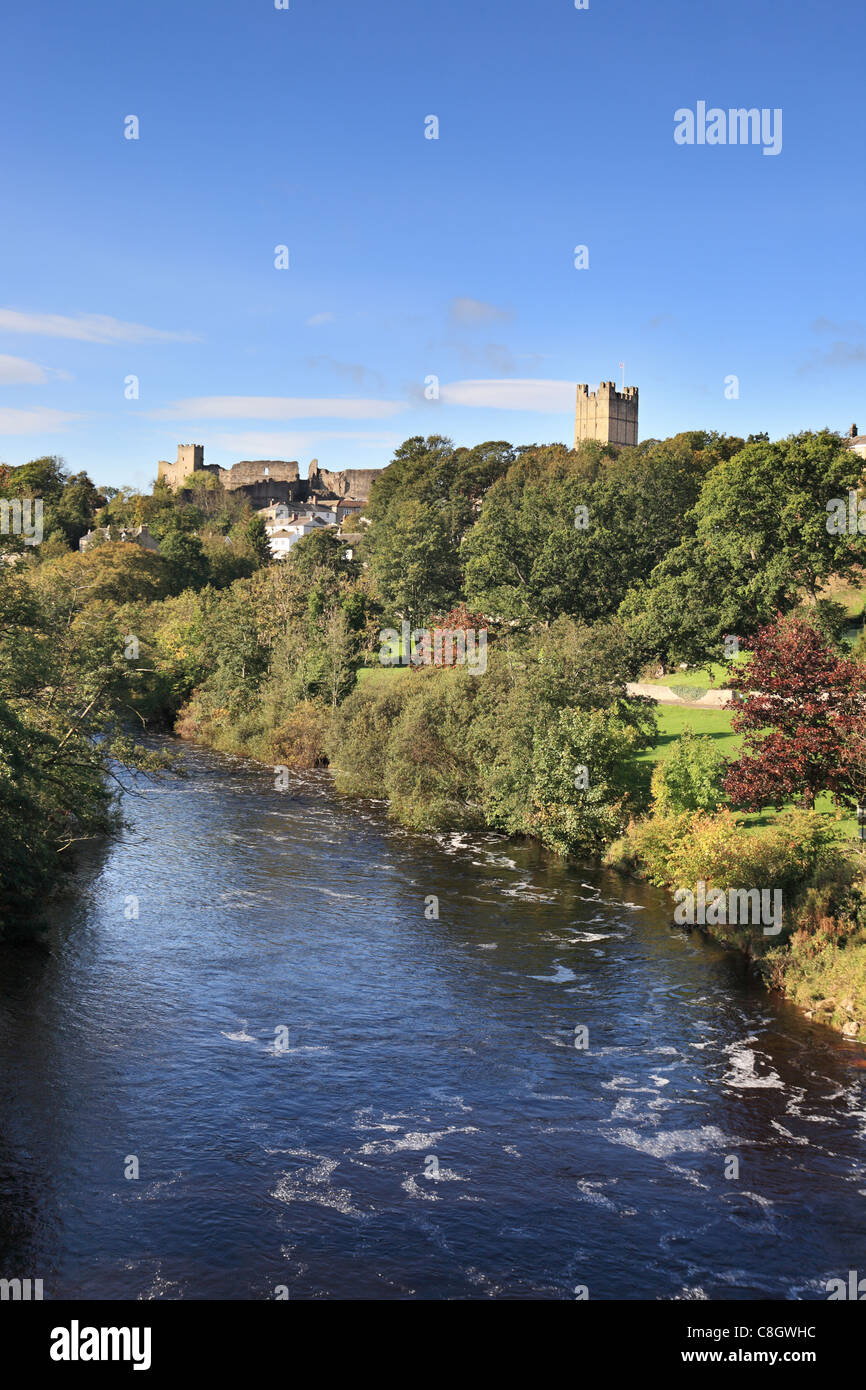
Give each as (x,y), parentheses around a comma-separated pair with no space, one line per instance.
(444,652)
(803,713)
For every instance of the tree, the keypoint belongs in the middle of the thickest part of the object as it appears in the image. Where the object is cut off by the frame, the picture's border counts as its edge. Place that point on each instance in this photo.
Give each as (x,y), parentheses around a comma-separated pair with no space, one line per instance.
(319,550)
(43,477)
(185,559)
(256,537)
(522,557)
(764,511)
(72,514)
(568,531)
(420,509)
(414,559)
(66,682)
(114,572)
(757,540)
(690,778)
(802,713)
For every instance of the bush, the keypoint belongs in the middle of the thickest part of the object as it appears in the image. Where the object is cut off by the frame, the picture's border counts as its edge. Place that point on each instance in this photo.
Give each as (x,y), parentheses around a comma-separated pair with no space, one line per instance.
(300,741)
(684,849)
(690,779)
(431,777)
(357,740)
(566,815)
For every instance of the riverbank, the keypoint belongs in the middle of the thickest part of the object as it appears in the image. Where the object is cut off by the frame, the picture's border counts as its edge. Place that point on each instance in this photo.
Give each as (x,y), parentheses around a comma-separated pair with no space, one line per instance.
(820,964)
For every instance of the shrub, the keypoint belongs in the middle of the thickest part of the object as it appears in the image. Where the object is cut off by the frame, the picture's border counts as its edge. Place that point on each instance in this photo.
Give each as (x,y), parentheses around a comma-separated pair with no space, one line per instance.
(357,739)
(681,850)
(300,739)
(690,779)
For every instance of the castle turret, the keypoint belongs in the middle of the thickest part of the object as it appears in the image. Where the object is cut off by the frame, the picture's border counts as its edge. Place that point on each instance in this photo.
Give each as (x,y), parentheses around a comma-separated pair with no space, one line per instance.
(190,459)
(607,415)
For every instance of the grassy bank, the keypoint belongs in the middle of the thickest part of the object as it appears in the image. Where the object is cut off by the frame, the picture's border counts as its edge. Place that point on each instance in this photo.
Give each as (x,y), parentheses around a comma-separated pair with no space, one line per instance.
(818,960)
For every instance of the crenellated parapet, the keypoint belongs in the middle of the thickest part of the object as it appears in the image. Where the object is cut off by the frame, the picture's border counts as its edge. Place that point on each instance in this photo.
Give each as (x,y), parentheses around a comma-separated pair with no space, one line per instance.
(607,415)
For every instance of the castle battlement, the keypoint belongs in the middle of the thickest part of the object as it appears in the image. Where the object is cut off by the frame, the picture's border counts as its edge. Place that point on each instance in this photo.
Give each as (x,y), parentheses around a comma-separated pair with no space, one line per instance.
(608,415)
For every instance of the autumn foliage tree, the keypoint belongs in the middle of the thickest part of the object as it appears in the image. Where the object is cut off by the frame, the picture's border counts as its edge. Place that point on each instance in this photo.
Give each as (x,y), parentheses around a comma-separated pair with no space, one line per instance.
(448,650)
(803,713)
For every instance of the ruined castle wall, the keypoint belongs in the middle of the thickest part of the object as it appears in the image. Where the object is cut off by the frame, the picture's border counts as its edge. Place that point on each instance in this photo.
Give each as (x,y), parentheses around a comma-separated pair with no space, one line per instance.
(261,492)
(263,481)
(251,472)
(351,482)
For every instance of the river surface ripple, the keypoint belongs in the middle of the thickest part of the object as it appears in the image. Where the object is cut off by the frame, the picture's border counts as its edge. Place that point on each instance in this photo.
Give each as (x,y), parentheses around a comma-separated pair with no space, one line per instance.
(430,1129)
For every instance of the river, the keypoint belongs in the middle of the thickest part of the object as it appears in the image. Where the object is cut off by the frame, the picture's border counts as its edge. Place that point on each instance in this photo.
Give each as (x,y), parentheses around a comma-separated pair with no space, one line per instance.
(329,1094)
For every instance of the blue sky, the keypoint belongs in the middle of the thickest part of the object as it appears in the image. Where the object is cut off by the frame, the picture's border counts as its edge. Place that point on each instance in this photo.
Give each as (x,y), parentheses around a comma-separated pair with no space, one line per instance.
(412,258)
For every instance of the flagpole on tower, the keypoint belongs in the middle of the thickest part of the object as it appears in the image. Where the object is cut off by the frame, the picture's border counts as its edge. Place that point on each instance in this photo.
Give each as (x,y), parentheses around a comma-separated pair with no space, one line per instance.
(622,364)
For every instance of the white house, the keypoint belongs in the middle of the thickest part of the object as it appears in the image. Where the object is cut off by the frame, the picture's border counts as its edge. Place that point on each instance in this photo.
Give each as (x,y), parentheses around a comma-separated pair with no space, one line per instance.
(284,531)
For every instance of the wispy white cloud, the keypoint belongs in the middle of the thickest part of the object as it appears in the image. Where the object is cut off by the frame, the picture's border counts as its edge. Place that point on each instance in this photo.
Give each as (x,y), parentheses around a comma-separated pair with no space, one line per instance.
(316,320)
(38,421)
(518,394)
(88,328)
(474,311)
(264,444)
(278,408)
(15,371)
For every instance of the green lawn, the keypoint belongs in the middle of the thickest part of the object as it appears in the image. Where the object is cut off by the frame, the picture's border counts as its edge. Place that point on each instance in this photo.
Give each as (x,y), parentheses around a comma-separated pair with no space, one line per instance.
(672,719)
(710,677)
(849,592)
(716,724)
(375,675)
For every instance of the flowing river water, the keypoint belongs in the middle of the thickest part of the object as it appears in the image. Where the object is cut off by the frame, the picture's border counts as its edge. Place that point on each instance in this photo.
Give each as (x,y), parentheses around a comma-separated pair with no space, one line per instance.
(329,1093)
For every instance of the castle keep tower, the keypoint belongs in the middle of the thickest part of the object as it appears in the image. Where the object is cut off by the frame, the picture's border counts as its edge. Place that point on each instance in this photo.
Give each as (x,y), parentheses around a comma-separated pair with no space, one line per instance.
(190,459)
(606,415)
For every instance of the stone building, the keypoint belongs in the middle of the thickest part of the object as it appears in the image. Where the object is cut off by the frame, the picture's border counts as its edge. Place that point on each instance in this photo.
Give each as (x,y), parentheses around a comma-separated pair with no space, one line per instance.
(856,441)
(131,535)
(263,481)
(190,459)
(607,415)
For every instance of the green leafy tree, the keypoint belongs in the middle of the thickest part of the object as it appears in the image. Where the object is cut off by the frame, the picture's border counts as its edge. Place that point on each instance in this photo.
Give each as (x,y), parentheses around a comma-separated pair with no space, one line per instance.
(184,556)
(569,531)
(420,509)
(319,550)
(758,540)
(257,540)
(66,681)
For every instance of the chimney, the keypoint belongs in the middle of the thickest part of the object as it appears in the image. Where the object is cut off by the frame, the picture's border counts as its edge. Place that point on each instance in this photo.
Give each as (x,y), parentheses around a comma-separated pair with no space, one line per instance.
(852,433)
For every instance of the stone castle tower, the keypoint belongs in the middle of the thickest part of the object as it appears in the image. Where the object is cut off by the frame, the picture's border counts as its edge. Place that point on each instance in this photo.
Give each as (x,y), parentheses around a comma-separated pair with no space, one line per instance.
(607,415)
(190,459)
